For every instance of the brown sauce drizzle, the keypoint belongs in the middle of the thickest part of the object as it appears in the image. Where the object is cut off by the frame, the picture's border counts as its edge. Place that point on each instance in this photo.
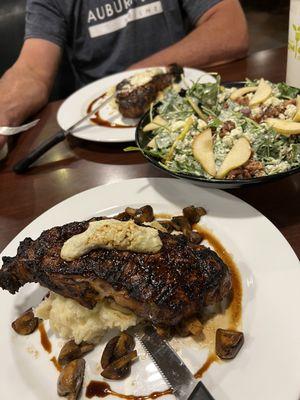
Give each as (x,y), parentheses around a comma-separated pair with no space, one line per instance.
(98,120)
(236,303)
(211,359)
(56,363)
(45,342)
(102,389)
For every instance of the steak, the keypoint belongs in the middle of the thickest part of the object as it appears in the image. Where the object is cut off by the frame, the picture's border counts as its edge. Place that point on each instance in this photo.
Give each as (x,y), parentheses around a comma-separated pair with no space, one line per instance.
(133,102)
(166,287)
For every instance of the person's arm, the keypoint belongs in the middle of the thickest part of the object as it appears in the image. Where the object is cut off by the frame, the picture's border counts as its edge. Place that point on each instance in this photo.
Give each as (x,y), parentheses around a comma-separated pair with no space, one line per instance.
(26,86)
(220,35)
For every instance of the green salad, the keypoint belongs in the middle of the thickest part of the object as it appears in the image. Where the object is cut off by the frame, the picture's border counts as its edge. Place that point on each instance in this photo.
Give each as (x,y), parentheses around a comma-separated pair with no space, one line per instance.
(212,131)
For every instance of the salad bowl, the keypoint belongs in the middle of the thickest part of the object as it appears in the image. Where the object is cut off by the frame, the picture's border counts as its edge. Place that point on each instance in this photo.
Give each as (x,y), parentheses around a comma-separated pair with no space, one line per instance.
(142,140)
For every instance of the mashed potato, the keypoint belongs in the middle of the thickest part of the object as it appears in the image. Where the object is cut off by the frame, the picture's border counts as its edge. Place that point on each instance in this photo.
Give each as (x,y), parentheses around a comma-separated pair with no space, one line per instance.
(69,320)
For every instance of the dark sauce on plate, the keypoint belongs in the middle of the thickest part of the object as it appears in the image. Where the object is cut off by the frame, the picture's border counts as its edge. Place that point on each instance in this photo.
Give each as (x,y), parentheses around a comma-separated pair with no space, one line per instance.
(98,120)
(102,389)
(45,342)
(56,363)
(235,307)
(236,304)
(210,359)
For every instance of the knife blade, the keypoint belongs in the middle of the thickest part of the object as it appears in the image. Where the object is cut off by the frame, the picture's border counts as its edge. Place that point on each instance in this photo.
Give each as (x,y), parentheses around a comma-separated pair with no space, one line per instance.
(171,367)
(23,165)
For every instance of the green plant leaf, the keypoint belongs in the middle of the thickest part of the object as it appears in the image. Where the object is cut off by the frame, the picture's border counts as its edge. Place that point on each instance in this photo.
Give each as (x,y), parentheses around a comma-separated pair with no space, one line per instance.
(131,148)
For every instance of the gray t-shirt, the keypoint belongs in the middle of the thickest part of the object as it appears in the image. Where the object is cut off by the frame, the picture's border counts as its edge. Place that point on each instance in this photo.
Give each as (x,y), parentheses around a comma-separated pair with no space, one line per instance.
(102,37)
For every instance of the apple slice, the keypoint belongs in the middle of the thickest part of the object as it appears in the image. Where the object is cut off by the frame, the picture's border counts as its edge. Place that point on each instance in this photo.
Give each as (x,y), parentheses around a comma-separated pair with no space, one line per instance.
(157,122)
(238,155)
(284,126)
(203,152)
(297,115)
(242,91)
(264,91)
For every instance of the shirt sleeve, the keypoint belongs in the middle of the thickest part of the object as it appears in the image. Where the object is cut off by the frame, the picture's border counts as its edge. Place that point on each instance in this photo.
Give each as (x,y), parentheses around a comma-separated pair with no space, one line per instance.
(45,20)
(196,8)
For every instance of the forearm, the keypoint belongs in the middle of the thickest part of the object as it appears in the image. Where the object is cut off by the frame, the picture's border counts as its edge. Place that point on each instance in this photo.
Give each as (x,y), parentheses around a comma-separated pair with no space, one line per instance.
(22,94)
(219,37)
(26,86)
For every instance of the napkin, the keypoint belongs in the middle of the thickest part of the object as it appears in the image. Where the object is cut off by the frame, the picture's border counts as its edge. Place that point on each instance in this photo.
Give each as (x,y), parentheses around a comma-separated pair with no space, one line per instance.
(9,131)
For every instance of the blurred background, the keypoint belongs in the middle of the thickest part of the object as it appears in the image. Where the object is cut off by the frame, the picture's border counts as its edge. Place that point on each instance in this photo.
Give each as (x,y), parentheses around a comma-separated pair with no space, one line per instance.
(268,25)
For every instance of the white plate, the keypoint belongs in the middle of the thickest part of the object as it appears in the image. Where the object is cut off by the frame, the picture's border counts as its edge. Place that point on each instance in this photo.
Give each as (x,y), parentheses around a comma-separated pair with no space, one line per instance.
(266,368)
(75,107)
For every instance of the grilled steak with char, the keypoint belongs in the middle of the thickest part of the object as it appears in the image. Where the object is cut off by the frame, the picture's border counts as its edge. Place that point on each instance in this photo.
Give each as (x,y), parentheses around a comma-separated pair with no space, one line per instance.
(165,287)
(133,102)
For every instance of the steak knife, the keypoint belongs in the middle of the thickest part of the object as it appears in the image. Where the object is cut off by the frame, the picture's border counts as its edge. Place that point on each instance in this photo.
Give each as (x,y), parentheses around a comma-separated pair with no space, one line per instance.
(25,163)
(171,367)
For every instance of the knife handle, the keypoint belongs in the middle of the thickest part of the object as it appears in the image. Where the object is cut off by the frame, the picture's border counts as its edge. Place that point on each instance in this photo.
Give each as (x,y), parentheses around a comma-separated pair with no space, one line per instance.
(200,393)
(23,165)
